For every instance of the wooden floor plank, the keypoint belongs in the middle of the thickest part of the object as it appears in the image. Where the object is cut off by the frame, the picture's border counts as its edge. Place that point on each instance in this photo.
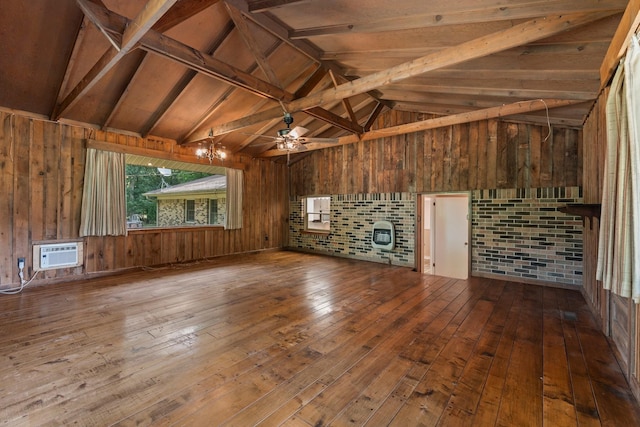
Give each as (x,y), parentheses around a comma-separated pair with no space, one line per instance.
(283,338)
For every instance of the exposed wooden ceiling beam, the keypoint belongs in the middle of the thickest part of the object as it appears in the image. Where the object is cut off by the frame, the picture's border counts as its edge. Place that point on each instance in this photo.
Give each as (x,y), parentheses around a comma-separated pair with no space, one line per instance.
(399,91)
(276,29)
(486,45)
(472,116)
(334,119)
(176,51)
(148,16)
(454,13)
(179,88)
(131,81)
(373,116)
(252,44)
(559,117)
(189,138)
(628,25)
(263,5)
(483,46)
(180,12)
(136,29)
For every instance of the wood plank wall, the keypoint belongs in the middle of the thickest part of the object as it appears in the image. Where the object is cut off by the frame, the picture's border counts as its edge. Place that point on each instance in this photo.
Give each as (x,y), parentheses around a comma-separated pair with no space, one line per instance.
(42,171)
(479,155)
(594,152)
(619,317)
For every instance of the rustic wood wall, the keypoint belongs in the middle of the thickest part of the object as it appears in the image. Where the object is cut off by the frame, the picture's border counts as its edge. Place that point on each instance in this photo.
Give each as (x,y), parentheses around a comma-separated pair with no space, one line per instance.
(618,316)
(595,134)
(42,169)
(479,155)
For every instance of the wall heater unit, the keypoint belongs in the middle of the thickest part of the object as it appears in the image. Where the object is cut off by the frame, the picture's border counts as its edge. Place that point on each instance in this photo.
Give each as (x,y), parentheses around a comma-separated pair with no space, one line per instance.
(58,255)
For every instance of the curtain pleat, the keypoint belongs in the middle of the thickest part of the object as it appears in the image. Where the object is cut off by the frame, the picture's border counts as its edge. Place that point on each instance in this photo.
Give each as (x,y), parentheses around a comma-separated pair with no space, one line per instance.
(103,198)
(619,239)
(606,239)
(632,83)
(234,199)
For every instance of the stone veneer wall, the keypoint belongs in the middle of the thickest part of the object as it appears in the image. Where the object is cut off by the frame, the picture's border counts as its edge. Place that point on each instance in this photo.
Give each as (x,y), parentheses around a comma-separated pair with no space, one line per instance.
(171,212)
(520,234)
(352,218)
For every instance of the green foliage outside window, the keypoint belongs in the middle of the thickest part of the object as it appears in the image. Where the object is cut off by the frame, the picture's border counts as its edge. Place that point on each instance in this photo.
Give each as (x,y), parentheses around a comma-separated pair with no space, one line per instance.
(142,179)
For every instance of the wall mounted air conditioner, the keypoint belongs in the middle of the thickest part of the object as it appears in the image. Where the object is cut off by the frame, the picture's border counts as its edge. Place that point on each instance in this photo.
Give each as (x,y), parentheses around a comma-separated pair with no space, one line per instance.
(57,255)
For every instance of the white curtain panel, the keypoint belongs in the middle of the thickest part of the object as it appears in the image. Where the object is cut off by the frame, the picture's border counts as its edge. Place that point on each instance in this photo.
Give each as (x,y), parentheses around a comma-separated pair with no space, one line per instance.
(609,248)
(632,92)
(103,197)
(234,199)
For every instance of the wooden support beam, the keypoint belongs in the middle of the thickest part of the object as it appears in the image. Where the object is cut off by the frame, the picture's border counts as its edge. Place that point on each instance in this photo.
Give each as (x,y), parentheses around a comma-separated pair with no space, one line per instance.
(334,119)
(182,84)
(264,5)
(472,116)
(517,35)
(130,37)
(180,12)
(620,42)
(148,16)
(455,13)
(142,151)
(252,44)
(373,116)
(172,49)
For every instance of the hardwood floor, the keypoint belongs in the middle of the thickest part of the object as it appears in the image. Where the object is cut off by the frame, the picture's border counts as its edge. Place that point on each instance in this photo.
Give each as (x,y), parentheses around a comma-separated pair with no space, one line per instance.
(295,339)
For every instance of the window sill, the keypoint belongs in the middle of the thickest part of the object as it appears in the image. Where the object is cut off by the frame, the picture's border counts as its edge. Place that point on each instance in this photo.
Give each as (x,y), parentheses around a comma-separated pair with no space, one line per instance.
(176,228)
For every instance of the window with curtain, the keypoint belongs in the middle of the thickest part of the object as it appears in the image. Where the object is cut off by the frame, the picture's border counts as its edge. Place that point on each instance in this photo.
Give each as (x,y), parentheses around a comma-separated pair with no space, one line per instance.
(103,197)
(109,195)
(165,193)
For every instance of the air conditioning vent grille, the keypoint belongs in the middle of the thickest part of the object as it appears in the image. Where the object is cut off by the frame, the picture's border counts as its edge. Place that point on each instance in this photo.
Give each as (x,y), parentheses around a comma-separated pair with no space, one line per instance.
(58,255)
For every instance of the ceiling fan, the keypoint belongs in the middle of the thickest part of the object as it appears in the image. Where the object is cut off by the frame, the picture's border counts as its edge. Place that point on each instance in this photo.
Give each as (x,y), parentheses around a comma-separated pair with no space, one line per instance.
(290,140)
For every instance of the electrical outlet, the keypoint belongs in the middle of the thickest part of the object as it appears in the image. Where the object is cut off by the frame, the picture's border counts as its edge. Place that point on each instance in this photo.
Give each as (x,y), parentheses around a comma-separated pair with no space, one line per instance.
(21,263)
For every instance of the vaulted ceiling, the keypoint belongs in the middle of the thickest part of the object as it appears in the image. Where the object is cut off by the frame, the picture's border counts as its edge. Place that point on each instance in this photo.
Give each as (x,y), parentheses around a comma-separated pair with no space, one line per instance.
(183,69)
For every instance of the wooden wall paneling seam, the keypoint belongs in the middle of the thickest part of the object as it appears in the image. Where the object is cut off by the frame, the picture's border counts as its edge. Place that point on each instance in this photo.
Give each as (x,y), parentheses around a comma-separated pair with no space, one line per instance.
(504,167)
(7,159)
(23,133)
(38,178)
(54,143)
(535,156)
(483,151)
(492,154)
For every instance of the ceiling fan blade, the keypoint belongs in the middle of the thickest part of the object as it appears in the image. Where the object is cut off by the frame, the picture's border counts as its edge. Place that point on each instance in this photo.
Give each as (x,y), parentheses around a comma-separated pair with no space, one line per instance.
(297,132)
(319,140)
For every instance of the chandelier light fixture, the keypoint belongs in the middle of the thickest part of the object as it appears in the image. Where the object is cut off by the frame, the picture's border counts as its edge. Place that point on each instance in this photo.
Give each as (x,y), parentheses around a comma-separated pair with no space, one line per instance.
(214,151)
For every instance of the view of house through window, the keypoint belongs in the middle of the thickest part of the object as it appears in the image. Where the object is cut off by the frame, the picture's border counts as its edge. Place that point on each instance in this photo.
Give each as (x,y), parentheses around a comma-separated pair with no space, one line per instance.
(317,213)
(162,193)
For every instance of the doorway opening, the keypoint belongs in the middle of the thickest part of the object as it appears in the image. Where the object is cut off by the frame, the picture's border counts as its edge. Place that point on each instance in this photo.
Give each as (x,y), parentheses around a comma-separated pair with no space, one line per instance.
(443,234)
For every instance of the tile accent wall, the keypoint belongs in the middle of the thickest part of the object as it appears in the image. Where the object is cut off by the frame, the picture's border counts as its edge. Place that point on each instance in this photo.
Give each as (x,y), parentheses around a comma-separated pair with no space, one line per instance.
(352,218)
(519,233)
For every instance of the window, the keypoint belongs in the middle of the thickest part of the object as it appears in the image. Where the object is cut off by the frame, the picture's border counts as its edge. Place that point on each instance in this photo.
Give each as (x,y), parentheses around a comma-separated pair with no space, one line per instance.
(216,211)
(189,211)
(162,193)
(317,213)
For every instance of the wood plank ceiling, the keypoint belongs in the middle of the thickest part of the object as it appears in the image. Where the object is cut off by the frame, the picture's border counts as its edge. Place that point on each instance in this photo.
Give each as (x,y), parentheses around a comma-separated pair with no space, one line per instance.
(182,69)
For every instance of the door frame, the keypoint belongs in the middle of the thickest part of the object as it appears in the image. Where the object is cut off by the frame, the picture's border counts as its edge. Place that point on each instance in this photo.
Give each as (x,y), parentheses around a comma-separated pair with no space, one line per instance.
(418,261)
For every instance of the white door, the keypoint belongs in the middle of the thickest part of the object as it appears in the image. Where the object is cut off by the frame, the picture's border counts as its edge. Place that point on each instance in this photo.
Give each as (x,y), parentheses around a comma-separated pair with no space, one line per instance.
(451,252)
